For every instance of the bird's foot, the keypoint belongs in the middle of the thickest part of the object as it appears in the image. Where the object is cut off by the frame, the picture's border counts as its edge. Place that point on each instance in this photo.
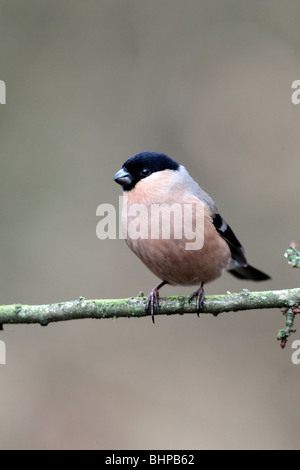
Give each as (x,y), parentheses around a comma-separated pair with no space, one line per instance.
(199,294)
(153,302)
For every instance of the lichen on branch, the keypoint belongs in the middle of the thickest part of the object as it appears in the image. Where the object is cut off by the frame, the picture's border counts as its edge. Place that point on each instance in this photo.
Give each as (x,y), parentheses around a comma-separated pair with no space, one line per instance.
(136,307)
(287,299)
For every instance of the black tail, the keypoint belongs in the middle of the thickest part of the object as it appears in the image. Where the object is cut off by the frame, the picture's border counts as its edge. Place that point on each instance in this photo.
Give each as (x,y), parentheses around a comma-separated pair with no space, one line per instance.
(248,272)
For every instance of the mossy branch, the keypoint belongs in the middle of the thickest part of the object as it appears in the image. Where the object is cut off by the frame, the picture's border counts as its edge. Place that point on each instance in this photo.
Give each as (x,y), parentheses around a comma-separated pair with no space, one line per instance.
(287,299)
(136,307)
(293,256)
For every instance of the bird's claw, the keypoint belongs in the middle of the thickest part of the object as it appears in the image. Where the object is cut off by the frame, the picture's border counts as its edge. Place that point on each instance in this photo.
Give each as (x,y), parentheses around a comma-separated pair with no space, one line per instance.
(153,302)
(199,294)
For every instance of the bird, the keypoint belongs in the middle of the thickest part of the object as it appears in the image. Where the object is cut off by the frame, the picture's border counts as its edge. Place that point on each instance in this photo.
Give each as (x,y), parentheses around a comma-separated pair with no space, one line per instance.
(150,180)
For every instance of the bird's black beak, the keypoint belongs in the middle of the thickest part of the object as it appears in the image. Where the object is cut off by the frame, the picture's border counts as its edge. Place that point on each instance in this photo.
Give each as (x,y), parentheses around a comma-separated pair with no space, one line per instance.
(123,177)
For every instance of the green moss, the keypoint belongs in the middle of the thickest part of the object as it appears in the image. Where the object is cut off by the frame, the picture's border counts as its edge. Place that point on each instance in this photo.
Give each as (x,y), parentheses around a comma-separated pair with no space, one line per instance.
(18,309)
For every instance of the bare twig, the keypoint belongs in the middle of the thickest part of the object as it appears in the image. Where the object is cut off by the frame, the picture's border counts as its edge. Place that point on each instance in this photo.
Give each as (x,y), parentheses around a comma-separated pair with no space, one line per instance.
(283,334)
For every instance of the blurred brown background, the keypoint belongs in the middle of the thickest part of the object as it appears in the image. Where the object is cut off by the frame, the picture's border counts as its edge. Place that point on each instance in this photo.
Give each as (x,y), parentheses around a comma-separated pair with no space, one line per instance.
(90,84)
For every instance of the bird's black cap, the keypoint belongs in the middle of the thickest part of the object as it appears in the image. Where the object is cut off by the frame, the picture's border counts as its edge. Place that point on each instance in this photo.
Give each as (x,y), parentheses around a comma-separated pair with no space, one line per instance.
(142,165)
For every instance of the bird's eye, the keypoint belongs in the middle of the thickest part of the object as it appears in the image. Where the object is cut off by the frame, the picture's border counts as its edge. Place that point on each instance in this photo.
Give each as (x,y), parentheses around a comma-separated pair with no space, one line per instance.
(145,172)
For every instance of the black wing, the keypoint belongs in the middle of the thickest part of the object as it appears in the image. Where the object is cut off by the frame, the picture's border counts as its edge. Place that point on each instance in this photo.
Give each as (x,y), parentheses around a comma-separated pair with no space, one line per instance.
(237,251)
(243,270)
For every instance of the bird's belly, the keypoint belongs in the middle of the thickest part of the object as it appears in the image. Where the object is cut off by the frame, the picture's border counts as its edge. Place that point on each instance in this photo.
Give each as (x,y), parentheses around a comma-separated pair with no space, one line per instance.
(172,259)
(172,262)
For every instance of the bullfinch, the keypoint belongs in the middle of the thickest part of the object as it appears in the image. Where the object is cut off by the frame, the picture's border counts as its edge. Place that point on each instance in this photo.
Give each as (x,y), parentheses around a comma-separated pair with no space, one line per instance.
(152,180)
